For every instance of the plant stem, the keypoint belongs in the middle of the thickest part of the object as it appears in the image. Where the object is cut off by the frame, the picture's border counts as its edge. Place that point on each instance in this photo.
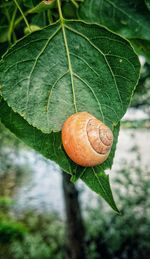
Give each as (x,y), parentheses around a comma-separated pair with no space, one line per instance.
(49,15)
(42,6)
(20,18)
(67,52)
(11,26)
(14,37)
(23,16)
(75,3)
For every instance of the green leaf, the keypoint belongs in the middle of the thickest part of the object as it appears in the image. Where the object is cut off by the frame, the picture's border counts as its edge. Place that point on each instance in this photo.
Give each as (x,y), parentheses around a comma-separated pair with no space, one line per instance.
(3,48)
(50,146)
(68,67)
(98,181)
(39,20)
(28,3)
(129,18)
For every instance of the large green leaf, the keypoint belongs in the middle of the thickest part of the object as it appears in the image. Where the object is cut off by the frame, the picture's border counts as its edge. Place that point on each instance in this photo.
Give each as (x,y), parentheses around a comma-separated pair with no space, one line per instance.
(50,146)
(68,67)
(129,18)
(98,181)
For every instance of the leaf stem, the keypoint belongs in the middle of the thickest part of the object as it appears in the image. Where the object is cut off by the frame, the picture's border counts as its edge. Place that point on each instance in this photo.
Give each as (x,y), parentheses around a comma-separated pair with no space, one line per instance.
(49,15)
(67,53)
(42,6)
(75,3)
(11,26)
(26,22)
(14,37)
(60,11)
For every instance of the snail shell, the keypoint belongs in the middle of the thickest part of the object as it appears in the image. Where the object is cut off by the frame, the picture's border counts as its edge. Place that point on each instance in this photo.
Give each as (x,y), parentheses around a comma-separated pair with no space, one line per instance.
(86,140)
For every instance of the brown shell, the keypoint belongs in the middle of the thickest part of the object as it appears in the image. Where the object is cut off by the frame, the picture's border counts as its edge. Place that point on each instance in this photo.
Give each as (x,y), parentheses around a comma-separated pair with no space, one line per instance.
(86,140)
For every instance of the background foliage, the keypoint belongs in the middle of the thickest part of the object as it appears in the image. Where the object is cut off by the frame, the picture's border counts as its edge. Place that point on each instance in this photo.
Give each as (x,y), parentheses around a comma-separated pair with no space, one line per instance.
(32,234)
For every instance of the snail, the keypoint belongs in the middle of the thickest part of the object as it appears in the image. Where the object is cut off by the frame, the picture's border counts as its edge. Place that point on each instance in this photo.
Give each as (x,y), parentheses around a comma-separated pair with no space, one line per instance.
(86,140)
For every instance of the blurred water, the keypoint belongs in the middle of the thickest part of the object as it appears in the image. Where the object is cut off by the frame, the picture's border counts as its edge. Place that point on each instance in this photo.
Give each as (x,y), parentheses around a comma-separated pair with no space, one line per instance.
(42,189)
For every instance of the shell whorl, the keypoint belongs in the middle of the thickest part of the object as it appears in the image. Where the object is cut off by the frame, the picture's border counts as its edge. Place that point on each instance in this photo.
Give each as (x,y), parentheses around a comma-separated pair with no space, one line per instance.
(99,136)
(86,140)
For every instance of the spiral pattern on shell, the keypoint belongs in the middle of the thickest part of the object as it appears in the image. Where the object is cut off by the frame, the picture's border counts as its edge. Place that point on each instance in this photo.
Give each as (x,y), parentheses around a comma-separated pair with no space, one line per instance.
(86,140)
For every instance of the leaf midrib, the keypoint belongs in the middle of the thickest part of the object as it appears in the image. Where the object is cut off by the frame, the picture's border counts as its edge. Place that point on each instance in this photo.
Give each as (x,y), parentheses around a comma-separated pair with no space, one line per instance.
(72,74)
(103,54)
(69,64)
(107,196)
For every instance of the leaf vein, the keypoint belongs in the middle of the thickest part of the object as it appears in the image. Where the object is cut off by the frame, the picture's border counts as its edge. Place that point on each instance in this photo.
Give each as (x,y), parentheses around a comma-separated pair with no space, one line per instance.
(82,59)
(35,63)
(99,105)
(50,93)
(117,56)
(69,66)
(104,55)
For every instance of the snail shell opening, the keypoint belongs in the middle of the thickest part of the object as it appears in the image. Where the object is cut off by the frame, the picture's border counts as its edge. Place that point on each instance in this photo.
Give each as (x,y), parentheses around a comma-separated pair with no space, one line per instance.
(86,140)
